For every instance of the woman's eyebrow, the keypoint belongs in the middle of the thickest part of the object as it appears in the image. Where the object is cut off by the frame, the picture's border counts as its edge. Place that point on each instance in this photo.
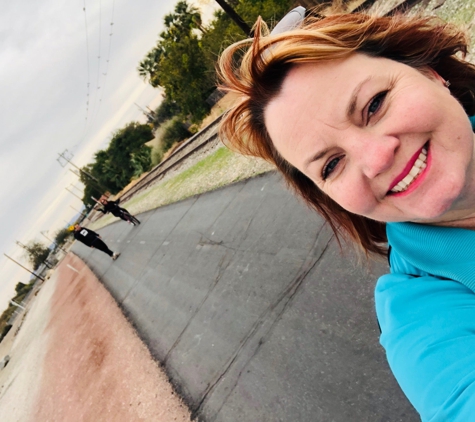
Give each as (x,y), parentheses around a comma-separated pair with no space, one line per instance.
(354,97)
(349,112)
(318,156)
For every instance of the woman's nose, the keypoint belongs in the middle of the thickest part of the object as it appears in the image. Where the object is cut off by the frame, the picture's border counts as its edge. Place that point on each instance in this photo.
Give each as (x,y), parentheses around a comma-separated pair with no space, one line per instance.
(376,153)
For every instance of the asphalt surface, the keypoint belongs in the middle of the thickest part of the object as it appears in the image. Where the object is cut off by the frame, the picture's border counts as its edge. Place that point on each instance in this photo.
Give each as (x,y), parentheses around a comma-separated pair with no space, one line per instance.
(246,299)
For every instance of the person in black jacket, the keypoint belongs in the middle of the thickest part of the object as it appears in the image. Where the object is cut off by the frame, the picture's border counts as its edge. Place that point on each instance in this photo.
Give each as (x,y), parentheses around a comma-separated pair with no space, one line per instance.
(110,206)
(92,239)
(117,211)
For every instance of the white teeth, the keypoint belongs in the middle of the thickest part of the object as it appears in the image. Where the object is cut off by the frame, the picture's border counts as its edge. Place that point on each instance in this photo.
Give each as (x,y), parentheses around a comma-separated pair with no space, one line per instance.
(408,179)
(419,165)
(419,162)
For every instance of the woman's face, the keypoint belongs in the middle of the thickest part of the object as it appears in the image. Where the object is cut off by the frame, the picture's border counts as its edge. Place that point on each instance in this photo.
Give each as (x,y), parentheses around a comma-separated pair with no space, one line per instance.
(380,138)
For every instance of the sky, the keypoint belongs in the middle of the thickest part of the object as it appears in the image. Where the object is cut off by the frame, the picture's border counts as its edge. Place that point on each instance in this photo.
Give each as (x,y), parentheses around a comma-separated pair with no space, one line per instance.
(68,80)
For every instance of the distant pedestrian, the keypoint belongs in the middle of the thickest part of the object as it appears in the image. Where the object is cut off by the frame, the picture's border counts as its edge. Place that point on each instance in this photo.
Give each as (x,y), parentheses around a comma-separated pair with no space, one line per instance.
(92,239)
(117,211)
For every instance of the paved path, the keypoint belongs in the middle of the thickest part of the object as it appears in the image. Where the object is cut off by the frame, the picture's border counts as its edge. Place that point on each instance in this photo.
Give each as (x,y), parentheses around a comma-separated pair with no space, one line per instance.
(244,296)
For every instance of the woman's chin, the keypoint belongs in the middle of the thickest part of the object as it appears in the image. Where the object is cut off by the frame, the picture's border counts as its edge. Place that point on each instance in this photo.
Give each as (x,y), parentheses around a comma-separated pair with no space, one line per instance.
(438,215)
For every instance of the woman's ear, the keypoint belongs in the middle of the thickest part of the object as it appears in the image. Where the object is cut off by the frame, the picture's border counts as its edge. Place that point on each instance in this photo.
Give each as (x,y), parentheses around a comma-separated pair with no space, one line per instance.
(432,74)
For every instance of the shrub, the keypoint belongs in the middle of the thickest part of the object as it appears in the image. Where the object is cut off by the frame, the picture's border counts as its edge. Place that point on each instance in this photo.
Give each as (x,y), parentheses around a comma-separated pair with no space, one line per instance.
(174,132)
(5,331)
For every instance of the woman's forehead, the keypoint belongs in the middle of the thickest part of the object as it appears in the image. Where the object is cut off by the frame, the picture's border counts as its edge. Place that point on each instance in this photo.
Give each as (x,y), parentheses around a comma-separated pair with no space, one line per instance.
(331,83)
(313,90)
(354,66)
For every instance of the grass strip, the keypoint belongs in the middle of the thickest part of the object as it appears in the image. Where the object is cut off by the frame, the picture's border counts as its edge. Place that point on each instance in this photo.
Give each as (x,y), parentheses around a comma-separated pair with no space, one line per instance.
(220,168)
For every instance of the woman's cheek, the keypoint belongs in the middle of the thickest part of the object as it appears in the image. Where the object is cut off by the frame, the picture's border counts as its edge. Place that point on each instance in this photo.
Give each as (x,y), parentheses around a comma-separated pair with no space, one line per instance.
(354,198)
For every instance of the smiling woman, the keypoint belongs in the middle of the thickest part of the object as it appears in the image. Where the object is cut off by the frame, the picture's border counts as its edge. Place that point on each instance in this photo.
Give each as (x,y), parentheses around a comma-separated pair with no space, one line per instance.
(371,120)
(368,120)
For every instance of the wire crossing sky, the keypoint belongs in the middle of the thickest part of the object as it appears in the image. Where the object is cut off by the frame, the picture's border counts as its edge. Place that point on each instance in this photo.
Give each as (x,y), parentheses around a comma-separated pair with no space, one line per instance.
(68,77)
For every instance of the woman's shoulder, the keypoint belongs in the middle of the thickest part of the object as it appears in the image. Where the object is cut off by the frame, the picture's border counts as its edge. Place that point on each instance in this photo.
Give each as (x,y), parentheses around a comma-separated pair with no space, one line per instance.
(422,253)
(409,244)
(442,252)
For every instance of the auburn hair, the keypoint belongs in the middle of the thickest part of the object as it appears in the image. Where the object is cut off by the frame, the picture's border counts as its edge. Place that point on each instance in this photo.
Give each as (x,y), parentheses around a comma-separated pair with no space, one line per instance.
(256,68)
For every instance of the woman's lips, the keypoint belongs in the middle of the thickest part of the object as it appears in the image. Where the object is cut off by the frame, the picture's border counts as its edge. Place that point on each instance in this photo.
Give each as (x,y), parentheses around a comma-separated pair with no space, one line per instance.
(414,167)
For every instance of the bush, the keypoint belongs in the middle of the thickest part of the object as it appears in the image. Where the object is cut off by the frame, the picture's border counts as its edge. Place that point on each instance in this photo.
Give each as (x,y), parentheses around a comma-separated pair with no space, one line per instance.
(165,111)
(5,331)
(157,156)
(61,236)
(174,132)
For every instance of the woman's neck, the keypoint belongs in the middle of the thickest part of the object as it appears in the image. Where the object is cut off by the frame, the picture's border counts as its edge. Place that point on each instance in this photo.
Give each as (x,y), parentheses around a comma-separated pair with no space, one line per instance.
(465,220)
(464,223)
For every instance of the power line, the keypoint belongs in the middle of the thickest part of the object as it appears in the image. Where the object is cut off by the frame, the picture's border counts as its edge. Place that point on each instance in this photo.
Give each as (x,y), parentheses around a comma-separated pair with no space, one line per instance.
(98,64)
(100,89)
(88,66)
(108,53)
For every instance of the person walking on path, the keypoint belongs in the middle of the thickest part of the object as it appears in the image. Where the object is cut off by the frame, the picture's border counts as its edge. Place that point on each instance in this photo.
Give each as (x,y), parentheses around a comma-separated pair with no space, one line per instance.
(117,211)
(92,239)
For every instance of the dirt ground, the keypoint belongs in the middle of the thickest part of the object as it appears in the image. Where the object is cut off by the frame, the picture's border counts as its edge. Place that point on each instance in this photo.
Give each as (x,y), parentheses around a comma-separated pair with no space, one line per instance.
(83,360)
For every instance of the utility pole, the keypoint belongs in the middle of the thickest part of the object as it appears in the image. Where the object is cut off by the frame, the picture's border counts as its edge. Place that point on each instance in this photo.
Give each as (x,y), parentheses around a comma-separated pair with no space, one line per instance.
(80,212)
(75,187)
(83,214)
(21,245)
(31,272)
(97,186)
(71,192)
(52,241)
(236,18)
(150,115)
(66,156)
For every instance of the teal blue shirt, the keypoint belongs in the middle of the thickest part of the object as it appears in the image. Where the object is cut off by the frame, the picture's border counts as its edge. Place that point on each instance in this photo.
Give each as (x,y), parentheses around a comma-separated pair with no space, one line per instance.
(426,310)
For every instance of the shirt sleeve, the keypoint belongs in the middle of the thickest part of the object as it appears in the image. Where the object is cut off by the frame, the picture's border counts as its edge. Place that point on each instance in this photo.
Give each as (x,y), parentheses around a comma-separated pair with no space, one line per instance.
(428,332)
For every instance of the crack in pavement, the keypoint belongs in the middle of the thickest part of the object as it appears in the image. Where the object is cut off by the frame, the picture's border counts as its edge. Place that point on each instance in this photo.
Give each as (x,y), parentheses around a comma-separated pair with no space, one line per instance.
(257,335)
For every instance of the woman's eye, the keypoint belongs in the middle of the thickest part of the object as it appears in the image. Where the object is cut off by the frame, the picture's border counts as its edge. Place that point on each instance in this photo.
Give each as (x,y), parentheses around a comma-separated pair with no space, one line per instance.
(376,103)
(330,167)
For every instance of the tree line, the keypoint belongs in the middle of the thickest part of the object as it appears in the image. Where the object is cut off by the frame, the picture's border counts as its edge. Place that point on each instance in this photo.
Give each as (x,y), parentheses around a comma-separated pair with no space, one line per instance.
(37,254)
(182,63)
(183,60)
(21,290)
(126,157)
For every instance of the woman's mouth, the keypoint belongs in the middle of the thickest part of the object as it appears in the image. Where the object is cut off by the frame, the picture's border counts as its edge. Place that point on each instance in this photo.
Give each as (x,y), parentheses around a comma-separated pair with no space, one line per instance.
(419,165)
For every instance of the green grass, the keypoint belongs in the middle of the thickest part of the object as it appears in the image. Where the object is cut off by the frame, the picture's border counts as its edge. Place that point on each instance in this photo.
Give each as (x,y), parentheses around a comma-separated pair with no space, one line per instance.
(459,12)
(220,168)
